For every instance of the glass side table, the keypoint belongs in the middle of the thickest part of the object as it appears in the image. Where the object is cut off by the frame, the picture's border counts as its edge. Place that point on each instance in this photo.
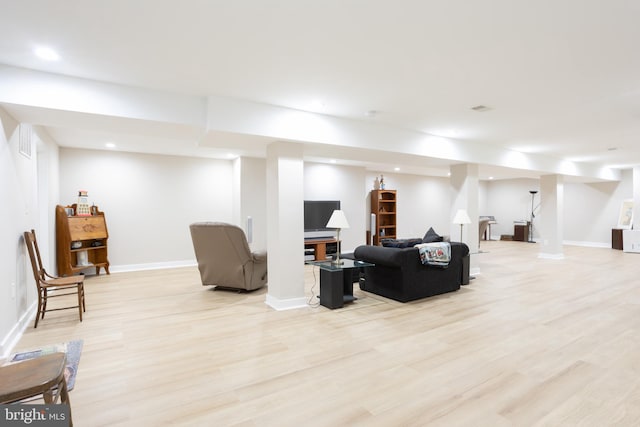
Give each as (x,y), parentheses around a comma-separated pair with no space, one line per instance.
(336,284)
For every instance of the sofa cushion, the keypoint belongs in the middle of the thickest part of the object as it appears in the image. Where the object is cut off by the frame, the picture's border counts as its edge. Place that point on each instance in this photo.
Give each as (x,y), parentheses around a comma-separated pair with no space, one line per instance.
(400,243)
(431,236)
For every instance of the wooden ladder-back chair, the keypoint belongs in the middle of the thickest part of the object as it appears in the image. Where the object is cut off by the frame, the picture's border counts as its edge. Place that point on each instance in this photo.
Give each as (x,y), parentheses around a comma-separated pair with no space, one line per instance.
(50,286)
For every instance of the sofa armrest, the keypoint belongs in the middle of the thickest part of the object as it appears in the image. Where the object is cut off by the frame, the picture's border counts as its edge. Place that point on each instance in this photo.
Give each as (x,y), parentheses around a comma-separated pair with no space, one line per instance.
(259,257)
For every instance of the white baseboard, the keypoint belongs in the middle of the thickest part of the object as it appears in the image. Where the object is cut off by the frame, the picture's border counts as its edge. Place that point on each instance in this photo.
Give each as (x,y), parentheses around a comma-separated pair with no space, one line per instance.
(152,266)
(285,304)
(586,244)
(14,335)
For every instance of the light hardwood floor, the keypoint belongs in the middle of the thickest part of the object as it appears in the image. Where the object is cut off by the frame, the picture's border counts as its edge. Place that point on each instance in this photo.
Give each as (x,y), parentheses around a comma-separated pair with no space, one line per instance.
(530,342)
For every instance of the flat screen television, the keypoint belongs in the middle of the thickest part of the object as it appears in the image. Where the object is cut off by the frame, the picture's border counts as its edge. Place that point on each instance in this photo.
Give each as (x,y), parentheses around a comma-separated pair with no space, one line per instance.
(317,214)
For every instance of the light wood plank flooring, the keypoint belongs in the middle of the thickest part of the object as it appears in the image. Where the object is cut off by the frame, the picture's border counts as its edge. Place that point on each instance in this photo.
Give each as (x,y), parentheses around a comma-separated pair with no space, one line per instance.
(530,342)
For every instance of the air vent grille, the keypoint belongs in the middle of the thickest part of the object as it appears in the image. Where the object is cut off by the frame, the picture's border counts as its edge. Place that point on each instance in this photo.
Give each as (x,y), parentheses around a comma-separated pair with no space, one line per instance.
(481,108)
(25,140)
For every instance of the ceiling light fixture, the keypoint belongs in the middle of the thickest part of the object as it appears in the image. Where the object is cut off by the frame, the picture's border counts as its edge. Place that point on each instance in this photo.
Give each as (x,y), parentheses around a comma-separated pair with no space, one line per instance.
(46,53)
(334,161)
(396,169)
(110,145)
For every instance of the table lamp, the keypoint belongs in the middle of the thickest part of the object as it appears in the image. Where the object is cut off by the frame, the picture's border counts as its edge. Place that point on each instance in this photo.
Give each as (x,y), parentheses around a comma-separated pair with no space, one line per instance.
(461,218)
(338,221)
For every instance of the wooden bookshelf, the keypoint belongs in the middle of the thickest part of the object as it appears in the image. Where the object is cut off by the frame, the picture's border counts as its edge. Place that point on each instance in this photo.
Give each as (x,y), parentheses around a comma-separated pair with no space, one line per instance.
(384,206)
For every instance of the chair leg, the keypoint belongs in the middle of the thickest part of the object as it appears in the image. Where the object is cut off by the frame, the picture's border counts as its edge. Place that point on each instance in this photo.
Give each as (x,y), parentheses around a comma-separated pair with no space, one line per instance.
(39,309)
(80,302)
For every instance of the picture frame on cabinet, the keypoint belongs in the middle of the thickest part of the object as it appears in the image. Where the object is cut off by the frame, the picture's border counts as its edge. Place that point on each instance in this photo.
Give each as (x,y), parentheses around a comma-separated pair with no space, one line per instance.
(625,218)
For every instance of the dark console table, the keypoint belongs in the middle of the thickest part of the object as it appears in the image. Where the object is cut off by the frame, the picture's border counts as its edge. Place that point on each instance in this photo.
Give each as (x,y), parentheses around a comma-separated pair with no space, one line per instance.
(336,281)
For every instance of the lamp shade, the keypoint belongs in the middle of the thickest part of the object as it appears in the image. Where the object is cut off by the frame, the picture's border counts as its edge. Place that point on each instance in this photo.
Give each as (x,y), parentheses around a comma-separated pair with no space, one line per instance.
(461,217)
(337,220)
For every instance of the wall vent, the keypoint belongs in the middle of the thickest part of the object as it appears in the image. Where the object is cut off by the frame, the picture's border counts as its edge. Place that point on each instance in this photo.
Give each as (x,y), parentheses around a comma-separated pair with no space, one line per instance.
(25,140)
(480,108)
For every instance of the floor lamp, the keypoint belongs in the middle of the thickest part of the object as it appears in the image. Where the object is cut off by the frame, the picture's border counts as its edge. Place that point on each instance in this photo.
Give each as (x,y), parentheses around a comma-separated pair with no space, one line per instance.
(462,218)
(338,221)
(533,195)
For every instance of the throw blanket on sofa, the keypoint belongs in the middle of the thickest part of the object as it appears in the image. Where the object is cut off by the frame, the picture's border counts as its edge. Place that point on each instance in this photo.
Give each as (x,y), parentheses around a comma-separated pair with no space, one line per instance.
(436,254)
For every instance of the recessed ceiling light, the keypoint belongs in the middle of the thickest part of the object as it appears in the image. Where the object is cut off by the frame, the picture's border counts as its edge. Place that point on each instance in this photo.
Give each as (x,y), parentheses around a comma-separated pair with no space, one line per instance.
(46,53)
(333,161)
(490,177)
(110,145)
(396,169)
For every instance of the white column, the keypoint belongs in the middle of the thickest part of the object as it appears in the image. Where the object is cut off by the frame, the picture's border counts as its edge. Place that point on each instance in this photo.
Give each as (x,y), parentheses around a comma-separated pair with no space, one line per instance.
(464,190)
(551,216)
(636,197)
(249,199)
(285,226)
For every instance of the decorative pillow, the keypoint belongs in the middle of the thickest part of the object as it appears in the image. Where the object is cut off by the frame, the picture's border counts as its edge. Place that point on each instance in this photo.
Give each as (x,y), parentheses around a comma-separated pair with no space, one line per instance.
(431,236)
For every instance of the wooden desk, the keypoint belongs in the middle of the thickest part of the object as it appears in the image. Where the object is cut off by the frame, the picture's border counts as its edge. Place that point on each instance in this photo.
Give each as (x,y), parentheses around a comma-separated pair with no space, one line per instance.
(319,247)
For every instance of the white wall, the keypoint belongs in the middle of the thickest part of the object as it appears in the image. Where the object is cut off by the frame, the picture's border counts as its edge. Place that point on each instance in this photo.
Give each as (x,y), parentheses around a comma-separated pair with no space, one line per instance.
(344,183)
(148,200)
(509,200)
(591,210)
(423,202)
(19,212)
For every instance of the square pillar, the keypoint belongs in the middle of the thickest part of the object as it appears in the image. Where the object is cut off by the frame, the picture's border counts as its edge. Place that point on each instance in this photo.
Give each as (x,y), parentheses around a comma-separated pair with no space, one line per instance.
(551,216)
(465,189)
(285,226)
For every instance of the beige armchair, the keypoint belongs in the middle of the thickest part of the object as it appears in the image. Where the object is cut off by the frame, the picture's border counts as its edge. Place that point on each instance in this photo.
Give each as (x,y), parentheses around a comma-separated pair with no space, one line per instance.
(224,257)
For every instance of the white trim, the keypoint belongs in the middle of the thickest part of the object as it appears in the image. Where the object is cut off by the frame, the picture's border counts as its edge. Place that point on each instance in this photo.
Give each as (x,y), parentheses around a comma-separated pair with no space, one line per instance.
(285,304)
(14,335)
(151,266)
(586,244)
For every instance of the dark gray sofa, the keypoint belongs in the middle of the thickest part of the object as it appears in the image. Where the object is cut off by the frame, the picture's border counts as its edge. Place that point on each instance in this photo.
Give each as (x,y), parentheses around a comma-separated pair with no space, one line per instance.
(400,275)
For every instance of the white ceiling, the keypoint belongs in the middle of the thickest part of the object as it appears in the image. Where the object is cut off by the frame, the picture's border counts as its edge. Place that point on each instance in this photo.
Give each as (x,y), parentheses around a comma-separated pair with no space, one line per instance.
(561,77)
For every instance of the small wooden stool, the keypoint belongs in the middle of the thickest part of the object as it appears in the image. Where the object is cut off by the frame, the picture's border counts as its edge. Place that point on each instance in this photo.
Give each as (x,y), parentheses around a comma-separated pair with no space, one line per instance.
(32,377)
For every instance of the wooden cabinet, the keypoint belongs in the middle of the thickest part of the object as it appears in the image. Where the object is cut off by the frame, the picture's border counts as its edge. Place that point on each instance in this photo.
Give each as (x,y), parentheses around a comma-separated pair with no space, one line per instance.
(81,241)
(521,232)
(616,239)
(383,205)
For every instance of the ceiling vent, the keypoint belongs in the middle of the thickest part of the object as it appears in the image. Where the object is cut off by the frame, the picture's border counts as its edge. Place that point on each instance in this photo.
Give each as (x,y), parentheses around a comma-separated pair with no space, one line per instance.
(25,140)
(481,108)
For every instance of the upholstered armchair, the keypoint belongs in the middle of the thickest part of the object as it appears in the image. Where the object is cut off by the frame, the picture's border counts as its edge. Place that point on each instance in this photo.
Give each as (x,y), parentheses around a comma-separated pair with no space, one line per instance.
(224,257)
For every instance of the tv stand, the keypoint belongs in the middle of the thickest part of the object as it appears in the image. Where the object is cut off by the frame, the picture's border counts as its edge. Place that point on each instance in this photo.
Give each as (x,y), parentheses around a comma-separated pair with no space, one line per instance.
(319,246)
